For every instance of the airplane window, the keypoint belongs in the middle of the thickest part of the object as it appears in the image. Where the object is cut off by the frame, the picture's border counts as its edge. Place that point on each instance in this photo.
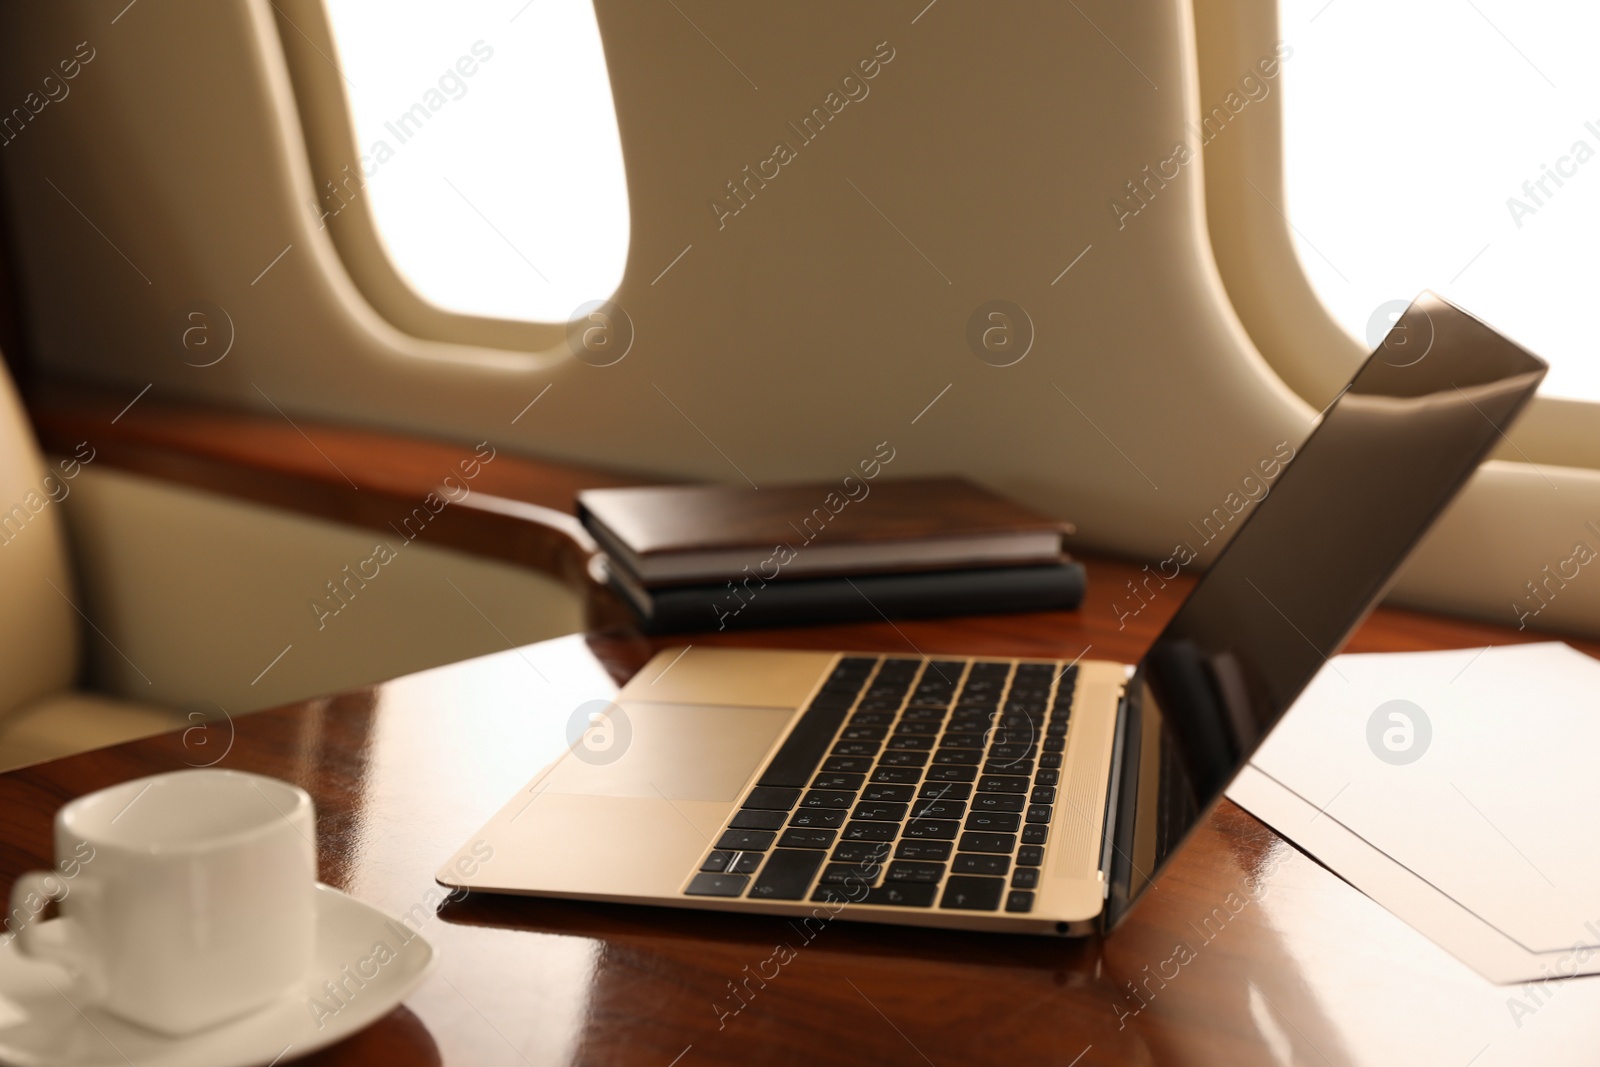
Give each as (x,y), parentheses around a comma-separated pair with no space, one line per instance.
(489,151)
(1451,145)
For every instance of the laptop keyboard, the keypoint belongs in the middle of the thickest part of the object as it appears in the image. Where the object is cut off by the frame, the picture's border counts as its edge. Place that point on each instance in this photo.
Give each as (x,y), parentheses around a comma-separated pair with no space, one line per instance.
(908,783)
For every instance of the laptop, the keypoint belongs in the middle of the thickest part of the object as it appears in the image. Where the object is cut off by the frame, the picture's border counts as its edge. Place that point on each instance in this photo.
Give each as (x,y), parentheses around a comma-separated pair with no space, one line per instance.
(1009,795)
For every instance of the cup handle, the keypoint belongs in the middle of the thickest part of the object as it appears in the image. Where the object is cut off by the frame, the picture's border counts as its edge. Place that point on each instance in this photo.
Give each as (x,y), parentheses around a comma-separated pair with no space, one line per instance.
(57,940)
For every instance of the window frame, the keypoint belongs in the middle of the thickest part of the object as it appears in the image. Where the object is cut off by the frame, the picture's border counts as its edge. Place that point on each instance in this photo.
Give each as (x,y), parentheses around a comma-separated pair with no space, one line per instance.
(1255,253)
(328,127)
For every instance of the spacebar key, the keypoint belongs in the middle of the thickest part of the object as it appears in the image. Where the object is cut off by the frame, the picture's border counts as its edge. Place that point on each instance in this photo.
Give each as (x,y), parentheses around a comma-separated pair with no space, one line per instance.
(787,874)
(801,752)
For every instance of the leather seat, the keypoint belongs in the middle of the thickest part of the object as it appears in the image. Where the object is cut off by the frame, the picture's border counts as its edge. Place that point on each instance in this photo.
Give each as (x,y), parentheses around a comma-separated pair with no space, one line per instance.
(43,715)
(75,721)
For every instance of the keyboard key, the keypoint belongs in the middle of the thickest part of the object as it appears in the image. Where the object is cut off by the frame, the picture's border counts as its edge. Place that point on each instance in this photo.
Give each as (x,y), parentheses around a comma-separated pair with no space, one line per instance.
(1002,783)
(917,726)
(1035,834)
(913,871)
(771,798)
(716,885)
(871,831)
(1014,741)
(804,838)
(757,820)
(1019,900)
(977,841)
(856,748)
(1039,812)
(864,733)
(1050,760)
(1044,794)
(1051,777)
(746,840)
(879,812)
(849,782)
(954,757)
(1056,729)
(951,774)
(976,863)
(850,764)
(821,818)
(899,794)
(934,829)
(1055,744)
(969,892)
(1030,856)
(827,798)
(861,852)
(746,862)
(996,821)
(934,716)
(1025,878)
(910,742)
(898,775)
(939,809)
(787,875)
(797,758)
(1013,745)
(717,862)
(923,850)
(903,895)
(998,802)
(850,873)
(963,740)
(904,759)
(937,790)
(1024,768)
(871,718)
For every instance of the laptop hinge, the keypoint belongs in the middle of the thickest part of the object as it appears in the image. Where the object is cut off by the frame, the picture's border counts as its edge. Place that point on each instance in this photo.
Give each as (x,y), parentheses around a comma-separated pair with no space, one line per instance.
(1107,838)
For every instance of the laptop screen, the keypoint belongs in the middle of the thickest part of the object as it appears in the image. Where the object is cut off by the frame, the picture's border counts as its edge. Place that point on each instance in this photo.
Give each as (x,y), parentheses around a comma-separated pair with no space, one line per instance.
(1303,571)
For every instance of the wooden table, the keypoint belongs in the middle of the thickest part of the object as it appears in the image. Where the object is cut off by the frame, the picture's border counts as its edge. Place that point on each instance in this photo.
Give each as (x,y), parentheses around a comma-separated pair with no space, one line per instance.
(1310,972)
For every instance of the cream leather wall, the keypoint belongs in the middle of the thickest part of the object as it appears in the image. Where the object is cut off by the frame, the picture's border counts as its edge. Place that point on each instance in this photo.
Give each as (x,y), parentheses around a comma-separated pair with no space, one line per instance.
(195,597)
(789,339)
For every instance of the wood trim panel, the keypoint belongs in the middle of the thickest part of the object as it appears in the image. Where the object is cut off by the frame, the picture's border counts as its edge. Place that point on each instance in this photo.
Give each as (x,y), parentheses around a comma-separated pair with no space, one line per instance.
(518,509)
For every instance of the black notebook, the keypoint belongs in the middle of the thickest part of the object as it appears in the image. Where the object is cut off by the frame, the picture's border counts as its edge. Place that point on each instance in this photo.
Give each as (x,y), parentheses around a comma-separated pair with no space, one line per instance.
(1054,586)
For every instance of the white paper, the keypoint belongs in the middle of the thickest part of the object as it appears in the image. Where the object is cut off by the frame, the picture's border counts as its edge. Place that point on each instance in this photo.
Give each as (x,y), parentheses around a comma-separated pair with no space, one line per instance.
(1495,811)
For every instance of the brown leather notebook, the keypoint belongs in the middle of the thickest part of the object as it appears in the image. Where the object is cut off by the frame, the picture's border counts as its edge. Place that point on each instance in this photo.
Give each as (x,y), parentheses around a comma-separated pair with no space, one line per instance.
(676,535)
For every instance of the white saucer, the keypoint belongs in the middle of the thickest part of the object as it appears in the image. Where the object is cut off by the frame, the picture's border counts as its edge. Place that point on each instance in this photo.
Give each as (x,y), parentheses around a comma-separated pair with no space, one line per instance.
(40,1026)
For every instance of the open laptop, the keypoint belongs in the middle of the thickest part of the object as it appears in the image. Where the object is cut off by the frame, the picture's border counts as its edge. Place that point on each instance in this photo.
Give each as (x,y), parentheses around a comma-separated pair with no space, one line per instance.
(1027,796)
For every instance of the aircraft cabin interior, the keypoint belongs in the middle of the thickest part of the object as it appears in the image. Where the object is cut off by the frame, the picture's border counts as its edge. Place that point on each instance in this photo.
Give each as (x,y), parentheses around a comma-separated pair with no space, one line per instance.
(676,532)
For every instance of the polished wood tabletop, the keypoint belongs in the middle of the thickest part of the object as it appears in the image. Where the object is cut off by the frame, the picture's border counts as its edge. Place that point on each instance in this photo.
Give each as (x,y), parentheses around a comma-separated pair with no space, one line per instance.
(1307,971)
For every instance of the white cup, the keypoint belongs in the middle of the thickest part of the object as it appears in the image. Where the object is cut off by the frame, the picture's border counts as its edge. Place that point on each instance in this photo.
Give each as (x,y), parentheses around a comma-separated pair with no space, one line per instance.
(192,899)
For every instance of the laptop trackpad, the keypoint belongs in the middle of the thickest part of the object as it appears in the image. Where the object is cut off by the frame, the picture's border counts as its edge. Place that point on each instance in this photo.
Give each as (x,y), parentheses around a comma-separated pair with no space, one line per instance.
(675,751)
